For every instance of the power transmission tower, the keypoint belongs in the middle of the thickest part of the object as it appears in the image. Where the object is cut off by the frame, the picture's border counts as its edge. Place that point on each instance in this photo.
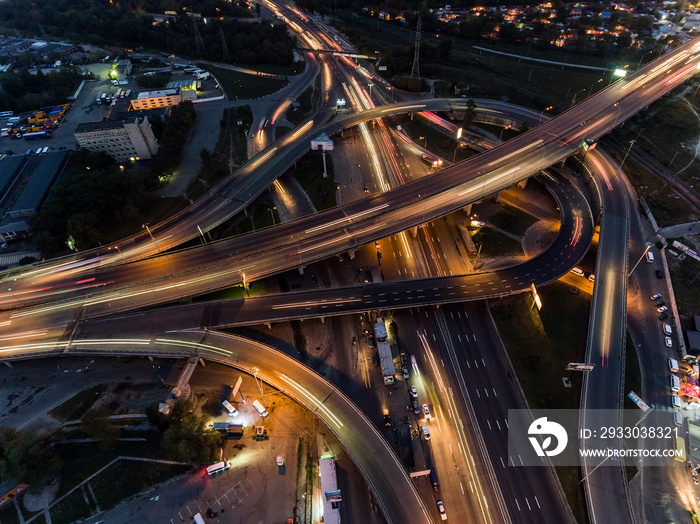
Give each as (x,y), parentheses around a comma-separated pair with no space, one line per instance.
(224,47)
(416,54)
(198,40)
(42,32)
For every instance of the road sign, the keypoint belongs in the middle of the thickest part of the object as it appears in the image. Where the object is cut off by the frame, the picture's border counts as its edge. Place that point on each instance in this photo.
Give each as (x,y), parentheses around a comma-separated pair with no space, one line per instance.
(576,366)
(640,403)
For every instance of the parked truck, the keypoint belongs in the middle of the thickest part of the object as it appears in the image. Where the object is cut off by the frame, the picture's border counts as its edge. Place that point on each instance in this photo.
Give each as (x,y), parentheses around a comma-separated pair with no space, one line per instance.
(385,359)
(37,135)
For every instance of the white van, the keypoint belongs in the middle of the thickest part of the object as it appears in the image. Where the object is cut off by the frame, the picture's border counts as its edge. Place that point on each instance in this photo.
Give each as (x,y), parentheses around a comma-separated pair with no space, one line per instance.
(198,519)
(667,329)
(218,468)
(675,383)
(202,76)
(673,365)
(577,271)
(231,410)
(426,431)
(650,257)
(260,408)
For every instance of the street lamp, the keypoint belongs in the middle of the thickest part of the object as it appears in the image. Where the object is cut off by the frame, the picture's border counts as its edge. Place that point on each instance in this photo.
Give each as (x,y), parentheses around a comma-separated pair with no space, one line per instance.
(500,137)
(640,259)
(272,212)
(370,90)
(340,201)
(628,152)
(120,252)
(573,100)
(151,235)
(591,89)
(454,155)
(255,370)
(542,114)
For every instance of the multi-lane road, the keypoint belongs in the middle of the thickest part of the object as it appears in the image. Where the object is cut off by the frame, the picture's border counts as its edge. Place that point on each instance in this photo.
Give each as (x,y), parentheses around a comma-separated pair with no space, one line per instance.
(122,286)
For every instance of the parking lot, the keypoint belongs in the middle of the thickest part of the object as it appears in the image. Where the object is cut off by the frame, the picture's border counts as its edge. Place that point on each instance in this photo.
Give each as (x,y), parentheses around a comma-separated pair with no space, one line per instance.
(86,109)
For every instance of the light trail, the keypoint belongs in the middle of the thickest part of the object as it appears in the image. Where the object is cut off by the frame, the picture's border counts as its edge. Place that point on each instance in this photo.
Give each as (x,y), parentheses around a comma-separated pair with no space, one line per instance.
(313,399)
(348,218)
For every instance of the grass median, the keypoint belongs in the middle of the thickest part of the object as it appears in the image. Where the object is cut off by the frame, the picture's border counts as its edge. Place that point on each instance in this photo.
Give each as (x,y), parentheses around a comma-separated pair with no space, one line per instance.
(540,345)
(240,86)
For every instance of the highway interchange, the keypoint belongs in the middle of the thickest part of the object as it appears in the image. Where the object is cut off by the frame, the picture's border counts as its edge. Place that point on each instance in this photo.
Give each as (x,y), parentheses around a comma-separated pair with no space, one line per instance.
(53,314)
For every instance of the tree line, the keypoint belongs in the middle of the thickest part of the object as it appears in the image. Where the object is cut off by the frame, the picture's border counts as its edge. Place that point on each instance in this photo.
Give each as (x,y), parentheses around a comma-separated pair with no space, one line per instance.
(104,23)
(22,91)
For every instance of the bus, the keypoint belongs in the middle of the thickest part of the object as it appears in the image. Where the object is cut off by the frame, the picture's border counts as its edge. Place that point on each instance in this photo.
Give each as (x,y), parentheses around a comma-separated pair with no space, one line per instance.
(170,13)
(679,449)
(217,468)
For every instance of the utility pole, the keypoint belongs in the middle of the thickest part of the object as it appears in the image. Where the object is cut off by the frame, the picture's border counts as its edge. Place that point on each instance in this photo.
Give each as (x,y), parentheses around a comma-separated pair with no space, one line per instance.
(415,70)
(198,40)
(224,47)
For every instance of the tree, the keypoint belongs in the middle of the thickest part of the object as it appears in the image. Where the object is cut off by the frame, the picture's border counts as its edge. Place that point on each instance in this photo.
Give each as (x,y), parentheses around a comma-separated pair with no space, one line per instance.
(96,425)
(24,457)
(187,438)
(205,155)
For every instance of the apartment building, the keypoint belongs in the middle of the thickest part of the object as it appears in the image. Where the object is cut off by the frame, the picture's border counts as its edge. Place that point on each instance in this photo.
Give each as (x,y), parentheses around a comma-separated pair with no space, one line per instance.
(128,139)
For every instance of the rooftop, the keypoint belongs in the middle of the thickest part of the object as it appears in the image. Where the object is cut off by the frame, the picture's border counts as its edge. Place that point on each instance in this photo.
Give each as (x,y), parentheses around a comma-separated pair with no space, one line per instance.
(157,94)
(103,125)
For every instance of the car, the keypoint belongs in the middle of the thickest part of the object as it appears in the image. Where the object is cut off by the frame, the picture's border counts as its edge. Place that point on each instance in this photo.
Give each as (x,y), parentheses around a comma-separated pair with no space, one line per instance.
(659,274)
(662,309)
(669,342)
(414,392)
(376,244)
(675,401)
(387,419)
(416,409)
(441,510)
(375,359)
(405,373)
(672,365)
(365,189)
(591,277)
(663,316)
(404,359)
(426,411)
(659,303)
(656,296)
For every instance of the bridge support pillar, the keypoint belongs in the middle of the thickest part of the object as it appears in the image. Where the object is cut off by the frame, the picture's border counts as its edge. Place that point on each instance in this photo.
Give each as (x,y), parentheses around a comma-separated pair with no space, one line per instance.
(496,197)
(269,325)
(523,183)
(245,211)
(301,270)
(9,364)
(351,254)
(150,358)
(202,363)
(323,320)
(468,209)
(414,231)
